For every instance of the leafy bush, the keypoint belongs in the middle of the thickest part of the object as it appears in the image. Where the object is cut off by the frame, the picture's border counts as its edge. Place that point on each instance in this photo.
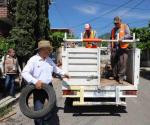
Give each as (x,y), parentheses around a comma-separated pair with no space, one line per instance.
(144,35)
(5,45)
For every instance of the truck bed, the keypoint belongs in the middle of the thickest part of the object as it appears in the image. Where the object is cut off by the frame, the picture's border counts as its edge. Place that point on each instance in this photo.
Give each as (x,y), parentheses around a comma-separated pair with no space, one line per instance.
(88,67)
(108,82)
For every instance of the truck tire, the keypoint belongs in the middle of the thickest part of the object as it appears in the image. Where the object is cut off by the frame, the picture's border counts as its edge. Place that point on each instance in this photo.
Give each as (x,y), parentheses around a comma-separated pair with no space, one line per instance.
(27,111)
(69,102)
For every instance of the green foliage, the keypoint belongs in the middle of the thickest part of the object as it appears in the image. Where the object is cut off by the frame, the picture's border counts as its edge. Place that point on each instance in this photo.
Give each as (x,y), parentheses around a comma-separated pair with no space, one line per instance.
(105,36)
(144,35)
(57,39)
(5,110)
(31,25)
(42,28)
(26,14)
(12,9)
(23,33)
(24,43)
(5,45)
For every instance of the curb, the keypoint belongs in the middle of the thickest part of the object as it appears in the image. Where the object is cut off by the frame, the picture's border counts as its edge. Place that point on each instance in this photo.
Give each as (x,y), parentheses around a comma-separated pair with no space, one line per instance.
(8,100)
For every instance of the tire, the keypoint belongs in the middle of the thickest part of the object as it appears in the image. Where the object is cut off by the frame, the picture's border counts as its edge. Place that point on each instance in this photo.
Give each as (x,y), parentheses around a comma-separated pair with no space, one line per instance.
(123,99)
(69,102)
(27,111)
(122,107)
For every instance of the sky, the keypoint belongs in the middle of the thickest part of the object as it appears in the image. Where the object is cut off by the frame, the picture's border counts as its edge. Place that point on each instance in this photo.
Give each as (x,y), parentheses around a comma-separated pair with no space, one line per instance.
(73,14)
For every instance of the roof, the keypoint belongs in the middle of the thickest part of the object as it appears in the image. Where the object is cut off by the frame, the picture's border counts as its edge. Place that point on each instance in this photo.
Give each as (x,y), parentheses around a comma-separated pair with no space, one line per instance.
(61,30)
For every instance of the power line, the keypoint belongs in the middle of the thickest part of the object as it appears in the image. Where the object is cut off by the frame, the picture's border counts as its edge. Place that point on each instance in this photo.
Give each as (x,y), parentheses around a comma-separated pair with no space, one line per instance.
(93,19)
(108,4)
(133,7)
(104,27)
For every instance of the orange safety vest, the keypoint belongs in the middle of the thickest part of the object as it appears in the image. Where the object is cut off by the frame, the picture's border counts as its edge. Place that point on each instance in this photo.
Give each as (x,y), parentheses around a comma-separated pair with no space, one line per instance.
(121,35)
(92,35)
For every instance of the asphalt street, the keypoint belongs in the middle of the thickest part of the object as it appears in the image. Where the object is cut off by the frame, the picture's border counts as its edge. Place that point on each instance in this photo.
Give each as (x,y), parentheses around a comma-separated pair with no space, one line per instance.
(136,113)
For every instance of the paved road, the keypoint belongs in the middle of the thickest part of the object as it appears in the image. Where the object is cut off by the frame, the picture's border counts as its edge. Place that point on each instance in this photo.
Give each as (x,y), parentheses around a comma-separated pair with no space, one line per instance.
(137,112)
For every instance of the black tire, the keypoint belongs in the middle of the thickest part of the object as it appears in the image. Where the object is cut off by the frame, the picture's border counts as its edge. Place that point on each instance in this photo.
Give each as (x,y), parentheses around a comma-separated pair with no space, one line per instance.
(69,102)
(123,99)
(121,107)
(27,111)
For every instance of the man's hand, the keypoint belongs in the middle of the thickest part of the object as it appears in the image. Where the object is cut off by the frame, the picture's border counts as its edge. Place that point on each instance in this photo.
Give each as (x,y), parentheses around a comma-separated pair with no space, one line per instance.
(120,40)
(66,76)
(39,84)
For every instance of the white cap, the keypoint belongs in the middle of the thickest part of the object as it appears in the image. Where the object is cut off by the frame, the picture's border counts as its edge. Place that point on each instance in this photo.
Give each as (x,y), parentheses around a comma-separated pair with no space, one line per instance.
(87,26)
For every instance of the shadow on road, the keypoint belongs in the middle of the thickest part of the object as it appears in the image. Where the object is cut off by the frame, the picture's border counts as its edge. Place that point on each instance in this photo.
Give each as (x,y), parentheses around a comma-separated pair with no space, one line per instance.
(145,74)
(103,110)
(54,120)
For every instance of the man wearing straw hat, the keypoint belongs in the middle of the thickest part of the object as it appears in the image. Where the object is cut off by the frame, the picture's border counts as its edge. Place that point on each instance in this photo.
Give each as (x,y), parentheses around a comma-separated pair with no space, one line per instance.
(38,71)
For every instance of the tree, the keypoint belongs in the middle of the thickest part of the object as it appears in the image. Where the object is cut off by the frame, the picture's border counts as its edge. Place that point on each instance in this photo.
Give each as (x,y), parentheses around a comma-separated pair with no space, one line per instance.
(144,35)
(105,36)
(12,9)
(4,45)
(23,32)
(144,44)
(57,39)
(42,29)
(31,25)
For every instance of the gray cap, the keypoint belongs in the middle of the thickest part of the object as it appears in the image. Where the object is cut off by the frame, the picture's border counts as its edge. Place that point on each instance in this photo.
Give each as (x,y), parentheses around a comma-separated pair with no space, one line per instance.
(117,19)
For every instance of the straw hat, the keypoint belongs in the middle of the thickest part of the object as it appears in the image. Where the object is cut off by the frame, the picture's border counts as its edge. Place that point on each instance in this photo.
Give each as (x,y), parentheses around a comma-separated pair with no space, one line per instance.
(44,43)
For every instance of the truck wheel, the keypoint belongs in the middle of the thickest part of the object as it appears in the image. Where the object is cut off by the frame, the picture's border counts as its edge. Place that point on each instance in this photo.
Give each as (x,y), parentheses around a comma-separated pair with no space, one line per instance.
(123,99)
(122,107)
(69,102)
(27,111)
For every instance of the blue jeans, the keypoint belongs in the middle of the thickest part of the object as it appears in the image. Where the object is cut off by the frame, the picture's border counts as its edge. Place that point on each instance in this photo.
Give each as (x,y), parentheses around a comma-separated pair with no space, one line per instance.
(39,100)
(10,84)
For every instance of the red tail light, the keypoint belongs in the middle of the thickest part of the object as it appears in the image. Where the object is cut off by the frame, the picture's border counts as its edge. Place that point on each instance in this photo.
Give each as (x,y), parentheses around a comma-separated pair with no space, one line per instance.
(68,92)
(130,92)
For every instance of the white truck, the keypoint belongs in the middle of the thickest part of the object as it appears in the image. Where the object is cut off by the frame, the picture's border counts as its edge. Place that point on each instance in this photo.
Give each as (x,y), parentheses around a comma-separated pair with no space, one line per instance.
(87,86)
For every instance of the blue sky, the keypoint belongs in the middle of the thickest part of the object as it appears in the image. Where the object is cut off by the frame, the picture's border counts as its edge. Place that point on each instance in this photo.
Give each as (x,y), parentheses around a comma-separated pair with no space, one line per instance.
(74,14)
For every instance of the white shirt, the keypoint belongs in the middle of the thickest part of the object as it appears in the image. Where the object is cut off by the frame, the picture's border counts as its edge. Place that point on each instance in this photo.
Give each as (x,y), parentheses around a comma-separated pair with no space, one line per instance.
(39,69)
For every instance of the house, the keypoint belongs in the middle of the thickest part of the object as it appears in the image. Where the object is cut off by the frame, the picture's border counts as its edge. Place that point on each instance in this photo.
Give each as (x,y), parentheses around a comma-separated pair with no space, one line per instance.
(63,30)
(6,22)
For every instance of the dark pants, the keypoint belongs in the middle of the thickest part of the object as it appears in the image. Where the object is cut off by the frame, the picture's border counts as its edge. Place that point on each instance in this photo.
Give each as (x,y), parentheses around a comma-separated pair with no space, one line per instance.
(39,99)
(122,65)
(10,84)
(119,59)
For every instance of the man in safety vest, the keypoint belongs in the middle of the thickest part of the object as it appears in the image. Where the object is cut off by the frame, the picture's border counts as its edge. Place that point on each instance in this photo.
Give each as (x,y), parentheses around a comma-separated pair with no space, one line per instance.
(89,33)
(119,53)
